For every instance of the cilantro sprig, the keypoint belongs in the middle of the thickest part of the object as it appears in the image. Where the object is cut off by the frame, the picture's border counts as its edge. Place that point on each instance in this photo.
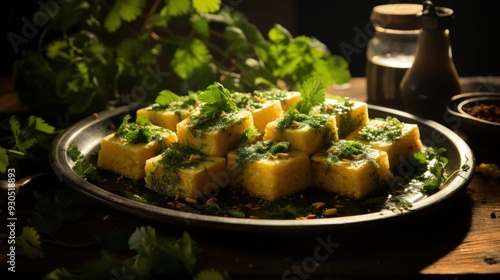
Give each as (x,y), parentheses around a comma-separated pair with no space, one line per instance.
(217,100)
(84,169)
(216,107)
(312,93)
(429,167)
(23,139)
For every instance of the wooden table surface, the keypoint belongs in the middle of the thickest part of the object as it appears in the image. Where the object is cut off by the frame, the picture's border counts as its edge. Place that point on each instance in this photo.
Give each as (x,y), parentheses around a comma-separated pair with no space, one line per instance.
(458,240)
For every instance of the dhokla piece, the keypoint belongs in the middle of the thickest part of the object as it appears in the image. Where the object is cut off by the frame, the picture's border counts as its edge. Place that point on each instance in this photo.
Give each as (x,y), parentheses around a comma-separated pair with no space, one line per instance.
(350,168)
(306,133)
(286,98)
(168,116)
(350,114)
(185,172)
(126,151)
(215,137)
(399,140)
(263,110)
(269,170)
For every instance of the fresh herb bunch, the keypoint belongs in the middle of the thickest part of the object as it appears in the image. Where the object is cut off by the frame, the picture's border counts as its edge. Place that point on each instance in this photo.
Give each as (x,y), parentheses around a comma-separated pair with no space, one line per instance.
(129,50)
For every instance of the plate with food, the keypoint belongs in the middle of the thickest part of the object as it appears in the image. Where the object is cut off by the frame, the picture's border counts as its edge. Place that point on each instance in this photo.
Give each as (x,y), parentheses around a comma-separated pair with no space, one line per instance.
(266,161)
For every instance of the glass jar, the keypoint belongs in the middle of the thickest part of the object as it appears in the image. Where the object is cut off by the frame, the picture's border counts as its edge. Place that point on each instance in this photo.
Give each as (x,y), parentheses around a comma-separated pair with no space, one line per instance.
(432,80)
(390,52)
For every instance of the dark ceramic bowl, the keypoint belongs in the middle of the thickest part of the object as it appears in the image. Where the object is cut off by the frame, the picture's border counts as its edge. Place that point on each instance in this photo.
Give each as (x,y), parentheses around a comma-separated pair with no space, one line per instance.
(483,136)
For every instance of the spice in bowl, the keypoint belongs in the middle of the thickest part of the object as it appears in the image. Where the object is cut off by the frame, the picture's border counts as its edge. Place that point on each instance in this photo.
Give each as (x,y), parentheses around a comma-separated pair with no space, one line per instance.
(489,112)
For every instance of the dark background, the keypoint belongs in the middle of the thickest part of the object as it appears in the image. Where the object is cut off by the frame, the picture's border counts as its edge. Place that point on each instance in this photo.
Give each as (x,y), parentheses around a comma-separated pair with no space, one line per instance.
(473,34)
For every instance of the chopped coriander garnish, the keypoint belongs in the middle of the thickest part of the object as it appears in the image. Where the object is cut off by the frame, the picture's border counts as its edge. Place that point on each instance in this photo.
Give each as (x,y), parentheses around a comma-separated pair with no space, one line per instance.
(294,119)
(222,209)
(169,101)
(258,151)
(247,101)
(351,150)
(175,158)
(387,130)
(139,132)
(249,135)
(343,106)
(281,95)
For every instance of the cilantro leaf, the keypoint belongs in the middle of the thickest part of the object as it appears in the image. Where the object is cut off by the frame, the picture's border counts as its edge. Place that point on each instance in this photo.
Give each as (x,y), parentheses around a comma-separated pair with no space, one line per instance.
(200,25)
(112,241)
(49,215)
(127,10)
(429,167)
(217,99)
(249,135)
(312,93)
(222,209)
(74,153)
(40,125)
(162,255)
(209,274)
(15,127)
(279,34)
(85,170)
(29,244)
(26,144)
(178,7)
(192,55)
(4,160)
(207,6)
(165,97)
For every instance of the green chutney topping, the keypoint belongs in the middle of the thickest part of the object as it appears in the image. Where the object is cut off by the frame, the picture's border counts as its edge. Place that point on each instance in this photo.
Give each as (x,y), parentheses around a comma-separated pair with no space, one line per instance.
(277,94)
(219,123)
(247,101)
(293,119)
(383,130)
(351,150)
(341,107)
(175,158)
(258,151)
(184,104)
(140,131)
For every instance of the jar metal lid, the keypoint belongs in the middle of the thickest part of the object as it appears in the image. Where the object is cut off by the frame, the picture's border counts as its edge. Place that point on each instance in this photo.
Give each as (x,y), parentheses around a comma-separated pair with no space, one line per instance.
(396,16)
